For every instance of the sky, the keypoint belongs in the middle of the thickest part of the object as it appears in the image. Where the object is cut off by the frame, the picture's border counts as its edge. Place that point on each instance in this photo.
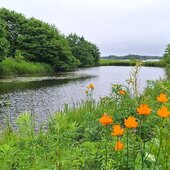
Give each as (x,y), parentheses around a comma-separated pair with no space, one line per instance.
(117,27)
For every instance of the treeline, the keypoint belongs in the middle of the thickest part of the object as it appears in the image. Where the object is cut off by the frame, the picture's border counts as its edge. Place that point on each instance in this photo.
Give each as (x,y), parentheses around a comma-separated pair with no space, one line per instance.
(167,60)
(131,57)
(37,41)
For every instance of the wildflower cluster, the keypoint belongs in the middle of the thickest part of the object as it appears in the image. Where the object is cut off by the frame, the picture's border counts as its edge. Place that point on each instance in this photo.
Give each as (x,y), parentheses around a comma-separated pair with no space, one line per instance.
(163,111)
(132,134)
(134,122)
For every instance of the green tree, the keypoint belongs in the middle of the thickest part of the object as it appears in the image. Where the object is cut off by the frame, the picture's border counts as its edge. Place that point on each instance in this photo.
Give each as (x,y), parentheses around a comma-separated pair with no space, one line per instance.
(95,53)
(167,55)
(41,42)
(37,41)
(4,44)
(13,23)
(167,60)
(87,53)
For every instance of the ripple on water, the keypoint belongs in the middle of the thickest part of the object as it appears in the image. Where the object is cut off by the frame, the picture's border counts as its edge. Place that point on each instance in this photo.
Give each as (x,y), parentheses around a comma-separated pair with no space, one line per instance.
(46,96)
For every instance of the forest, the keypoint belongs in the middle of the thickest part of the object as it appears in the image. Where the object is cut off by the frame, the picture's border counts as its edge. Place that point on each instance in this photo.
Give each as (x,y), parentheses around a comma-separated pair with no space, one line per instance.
(29,45)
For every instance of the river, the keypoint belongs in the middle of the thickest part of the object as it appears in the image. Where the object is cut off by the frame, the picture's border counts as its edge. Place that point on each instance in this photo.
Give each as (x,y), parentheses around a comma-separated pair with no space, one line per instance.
(45,96)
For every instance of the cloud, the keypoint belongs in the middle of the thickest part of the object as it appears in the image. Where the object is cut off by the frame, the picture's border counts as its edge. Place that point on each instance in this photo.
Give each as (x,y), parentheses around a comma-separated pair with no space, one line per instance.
(116,26)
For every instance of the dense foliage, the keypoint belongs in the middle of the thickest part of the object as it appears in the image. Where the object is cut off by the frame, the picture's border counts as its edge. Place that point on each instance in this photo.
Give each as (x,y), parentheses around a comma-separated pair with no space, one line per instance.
(167,60)
(4,44)
(38,41)
(86,52)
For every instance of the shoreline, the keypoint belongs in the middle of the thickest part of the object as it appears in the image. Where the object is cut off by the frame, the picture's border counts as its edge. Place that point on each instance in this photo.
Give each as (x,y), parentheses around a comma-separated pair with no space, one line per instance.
(70,74)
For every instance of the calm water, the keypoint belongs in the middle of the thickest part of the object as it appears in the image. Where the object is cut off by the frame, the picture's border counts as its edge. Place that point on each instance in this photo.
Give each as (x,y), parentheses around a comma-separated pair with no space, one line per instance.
(49,95)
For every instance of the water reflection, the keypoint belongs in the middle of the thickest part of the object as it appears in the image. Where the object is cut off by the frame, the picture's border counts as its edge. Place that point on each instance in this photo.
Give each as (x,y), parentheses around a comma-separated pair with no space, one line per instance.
(45,97)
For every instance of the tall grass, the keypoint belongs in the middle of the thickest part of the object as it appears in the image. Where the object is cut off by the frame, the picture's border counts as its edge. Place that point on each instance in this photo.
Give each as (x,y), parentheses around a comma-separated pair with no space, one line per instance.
(110,62)
(75,139)
(13,67)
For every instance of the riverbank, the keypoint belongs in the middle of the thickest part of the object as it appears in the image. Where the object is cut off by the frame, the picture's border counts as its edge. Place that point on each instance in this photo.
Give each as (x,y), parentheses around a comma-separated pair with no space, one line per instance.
(45,95)
(10,67)
(83,137)
(111,62)
(13,70)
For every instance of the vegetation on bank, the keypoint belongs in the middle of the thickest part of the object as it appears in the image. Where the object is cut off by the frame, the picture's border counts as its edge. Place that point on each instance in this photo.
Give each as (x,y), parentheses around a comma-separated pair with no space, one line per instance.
(111,62)
(12,67)
(167,60)
(125,130)
(41,42)
(132,57)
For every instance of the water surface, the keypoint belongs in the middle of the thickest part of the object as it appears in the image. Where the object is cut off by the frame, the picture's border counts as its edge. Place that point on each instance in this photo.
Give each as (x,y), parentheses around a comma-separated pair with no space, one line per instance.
(44,97)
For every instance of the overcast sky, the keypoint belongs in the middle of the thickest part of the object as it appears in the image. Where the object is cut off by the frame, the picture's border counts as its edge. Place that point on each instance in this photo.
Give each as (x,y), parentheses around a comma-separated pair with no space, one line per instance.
(115,26)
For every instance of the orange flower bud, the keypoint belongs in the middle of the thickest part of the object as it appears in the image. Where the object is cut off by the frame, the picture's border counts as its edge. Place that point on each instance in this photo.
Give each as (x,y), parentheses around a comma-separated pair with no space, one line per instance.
(86,91)
(106,120)
(119,145)
(122,92)
(117,130)
(143,109)
(163,112)
(90,86)
(131,122)
(162,98)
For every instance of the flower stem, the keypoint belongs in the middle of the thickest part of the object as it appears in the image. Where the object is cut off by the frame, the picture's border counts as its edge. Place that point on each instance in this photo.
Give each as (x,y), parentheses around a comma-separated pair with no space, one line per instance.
(127,143)
(143,142)
(106,148)
(143,154)
(160,145)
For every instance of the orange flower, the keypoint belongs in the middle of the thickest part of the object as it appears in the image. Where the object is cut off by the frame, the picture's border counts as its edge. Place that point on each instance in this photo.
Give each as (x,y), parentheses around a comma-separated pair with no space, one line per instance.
(117,130)
(90,86)
(163,112)
(86,91)
(162,98)
(106,120)
(131,122)
(143,109)
(122,92)
(119,145)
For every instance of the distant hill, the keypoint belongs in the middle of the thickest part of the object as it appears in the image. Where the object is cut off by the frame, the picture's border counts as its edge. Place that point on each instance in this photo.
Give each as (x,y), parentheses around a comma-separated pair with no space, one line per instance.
(130,57)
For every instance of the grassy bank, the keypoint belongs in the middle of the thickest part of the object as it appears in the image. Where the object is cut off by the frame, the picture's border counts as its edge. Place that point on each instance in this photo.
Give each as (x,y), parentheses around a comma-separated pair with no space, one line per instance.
(110,62)
(13,67)
(85,137)
(167,68)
